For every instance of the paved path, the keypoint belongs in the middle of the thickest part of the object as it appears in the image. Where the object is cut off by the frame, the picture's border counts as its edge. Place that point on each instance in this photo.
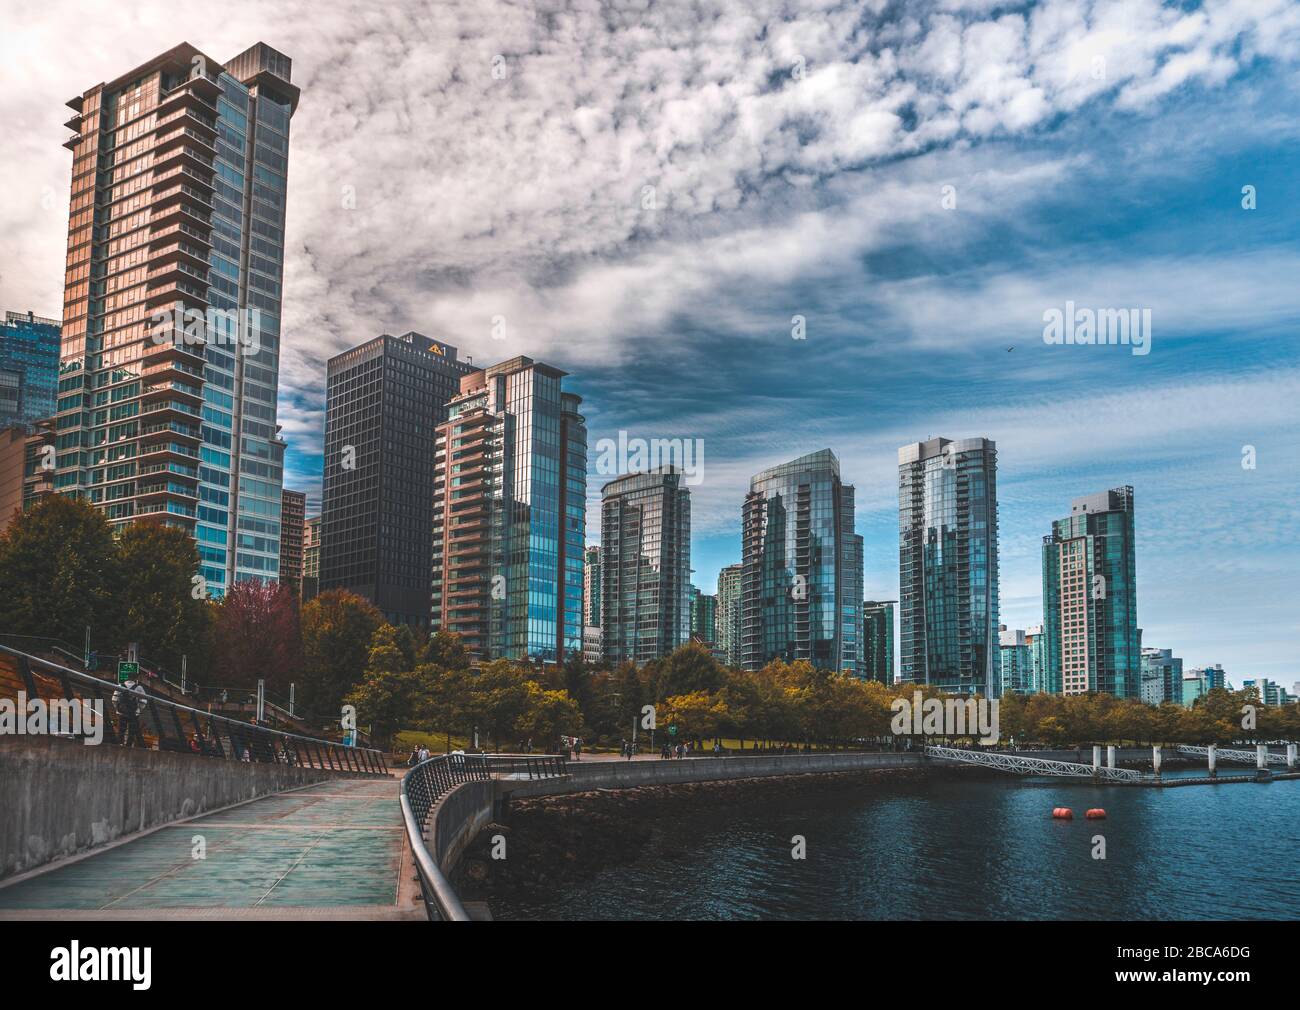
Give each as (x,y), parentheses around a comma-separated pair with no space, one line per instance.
(334,850)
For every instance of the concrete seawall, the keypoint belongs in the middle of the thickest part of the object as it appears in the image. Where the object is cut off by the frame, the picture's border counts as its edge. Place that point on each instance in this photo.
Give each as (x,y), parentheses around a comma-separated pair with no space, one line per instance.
(59,797)
(588,775)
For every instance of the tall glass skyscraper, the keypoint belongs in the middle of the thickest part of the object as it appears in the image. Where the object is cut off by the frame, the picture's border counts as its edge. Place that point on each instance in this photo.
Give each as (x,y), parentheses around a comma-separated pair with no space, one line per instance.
(878,640)
(645,543)
(171,320)
(509,516)
(29,348)
(801,586)
(1090,597)
(948,564)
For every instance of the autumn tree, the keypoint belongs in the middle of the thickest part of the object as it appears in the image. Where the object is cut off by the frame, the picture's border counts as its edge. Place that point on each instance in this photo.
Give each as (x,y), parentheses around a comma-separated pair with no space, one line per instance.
(256,636)
(337,628)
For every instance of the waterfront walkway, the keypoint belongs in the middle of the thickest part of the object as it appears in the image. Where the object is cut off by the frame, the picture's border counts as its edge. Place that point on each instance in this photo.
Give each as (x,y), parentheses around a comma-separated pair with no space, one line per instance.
(336,850)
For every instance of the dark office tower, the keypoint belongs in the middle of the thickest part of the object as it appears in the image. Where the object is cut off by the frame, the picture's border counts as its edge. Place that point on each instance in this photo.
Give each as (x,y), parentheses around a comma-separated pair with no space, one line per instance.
(878,640)
(727,621)
(1090,598)
(293,512)
(948,565)
(171,314)
(801,588)
(645,542)
(384,400)
(29,361)
(509,514)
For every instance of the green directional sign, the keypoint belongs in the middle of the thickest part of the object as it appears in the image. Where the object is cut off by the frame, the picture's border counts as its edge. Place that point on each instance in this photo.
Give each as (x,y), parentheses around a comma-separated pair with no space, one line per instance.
(672,729)
(127,671)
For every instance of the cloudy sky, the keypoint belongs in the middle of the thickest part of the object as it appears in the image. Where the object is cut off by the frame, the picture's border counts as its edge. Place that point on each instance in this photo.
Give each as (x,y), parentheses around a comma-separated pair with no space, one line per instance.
(647,194)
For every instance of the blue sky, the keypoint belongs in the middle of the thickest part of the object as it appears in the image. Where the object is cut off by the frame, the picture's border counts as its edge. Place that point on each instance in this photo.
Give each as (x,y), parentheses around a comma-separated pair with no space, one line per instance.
(648,194)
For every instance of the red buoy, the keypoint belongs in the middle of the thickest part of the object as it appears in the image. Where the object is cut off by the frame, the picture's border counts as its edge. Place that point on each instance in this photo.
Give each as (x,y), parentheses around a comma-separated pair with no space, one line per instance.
(1096,814)
(1063,814)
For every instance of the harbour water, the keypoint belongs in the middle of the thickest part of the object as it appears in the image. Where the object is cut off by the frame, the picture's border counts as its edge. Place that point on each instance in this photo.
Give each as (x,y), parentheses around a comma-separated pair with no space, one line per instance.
(948,848)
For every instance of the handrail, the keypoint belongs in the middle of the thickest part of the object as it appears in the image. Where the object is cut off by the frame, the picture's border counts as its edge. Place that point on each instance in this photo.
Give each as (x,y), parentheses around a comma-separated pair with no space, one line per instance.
(247,741)
(426,784)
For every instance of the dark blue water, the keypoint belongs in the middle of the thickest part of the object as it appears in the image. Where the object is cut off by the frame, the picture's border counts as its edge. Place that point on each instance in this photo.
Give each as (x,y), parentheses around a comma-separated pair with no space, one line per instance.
(962,849)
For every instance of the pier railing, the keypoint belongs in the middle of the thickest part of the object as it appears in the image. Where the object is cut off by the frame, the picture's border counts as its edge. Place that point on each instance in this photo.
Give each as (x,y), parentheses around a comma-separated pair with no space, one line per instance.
(146,719)
(1021,765)
(428,782)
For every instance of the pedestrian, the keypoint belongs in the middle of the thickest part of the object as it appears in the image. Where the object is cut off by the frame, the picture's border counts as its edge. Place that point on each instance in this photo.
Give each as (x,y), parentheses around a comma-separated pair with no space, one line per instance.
(414,759)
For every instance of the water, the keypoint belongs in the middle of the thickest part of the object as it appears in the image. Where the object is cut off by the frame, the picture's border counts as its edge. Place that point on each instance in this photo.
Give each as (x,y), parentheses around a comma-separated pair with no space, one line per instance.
(962,849)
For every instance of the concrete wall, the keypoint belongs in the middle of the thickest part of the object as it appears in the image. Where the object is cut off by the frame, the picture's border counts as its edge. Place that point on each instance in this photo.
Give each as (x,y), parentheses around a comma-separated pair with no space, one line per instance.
(588,775)
(59,797)
(456,819)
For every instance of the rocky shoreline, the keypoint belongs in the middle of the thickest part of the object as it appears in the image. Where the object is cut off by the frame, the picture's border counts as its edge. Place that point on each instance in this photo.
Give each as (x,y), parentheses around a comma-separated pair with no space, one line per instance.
(551,841)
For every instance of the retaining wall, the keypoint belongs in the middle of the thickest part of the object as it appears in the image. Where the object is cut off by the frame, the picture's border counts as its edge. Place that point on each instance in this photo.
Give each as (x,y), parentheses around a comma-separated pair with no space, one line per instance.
(59,797)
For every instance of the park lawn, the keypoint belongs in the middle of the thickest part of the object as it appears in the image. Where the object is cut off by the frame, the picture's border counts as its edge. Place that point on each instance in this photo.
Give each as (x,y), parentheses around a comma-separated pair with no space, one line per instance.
(407,739)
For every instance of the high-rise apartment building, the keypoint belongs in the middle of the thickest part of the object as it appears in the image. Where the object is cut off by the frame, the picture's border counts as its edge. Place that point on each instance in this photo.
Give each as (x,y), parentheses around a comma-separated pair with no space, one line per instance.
(293,514)
(509,514)
(727,619)
(1161,677)
(948,564)
(1037,643)
(591,587)
(170,351)
(704,617)
(310,558)
(1090,597)
(29,356)
(645,541)
(26,468)
(878,640)
(1015,662)
(384,400)
(801,585)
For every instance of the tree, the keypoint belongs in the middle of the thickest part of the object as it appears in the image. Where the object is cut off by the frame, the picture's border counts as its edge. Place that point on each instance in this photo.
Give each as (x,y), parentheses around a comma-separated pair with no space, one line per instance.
(337,628)
(60,573)
(447,651)
(688,668)
(160,610)
(547,716)
(256,636)
(391,693)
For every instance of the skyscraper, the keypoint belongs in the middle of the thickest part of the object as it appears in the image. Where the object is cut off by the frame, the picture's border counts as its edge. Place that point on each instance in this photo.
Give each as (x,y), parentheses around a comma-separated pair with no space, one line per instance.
(948,564)
(1015,663)
(801,585)
(310,558)
(1161,678)
(704,617)
(293,512)
(878,640)
(591,635)
(509,514)
(645,539)
(384,399)
(171,318)
(1090,597)
(29,350)
(1038,661)
(727,620)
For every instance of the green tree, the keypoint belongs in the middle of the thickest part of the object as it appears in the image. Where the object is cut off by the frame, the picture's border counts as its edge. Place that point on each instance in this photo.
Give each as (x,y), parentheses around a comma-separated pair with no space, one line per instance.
(391,694)
(160,608)
(447,651)
(60,572)
(337,628)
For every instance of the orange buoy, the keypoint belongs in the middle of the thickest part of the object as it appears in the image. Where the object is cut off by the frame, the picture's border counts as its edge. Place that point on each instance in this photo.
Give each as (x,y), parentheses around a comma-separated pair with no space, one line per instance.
(1063,814)
(1096,814)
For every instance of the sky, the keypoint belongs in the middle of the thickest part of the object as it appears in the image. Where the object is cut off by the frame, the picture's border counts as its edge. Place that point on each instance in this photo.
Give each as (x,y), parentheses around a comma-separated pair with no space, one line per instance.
(778,227)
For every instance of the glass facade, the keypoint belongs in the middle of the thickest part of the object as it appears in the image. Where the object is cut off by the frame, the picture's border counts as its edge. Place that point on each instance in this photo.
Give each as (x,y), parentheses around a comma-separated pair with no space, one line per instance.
(948,564)
(646,565)
(727,621)
(878,641)
(29,353)
(1090,598)
(801,585)
(1015,663)
(509,526)
(170,351)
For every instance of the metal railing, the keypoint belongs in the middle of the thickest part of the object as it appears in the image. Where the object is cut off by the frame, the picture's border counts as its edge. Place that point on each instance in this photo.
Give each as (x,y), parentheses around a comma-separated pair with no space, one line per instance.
(427,783)
(146,719)
(1020,765)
